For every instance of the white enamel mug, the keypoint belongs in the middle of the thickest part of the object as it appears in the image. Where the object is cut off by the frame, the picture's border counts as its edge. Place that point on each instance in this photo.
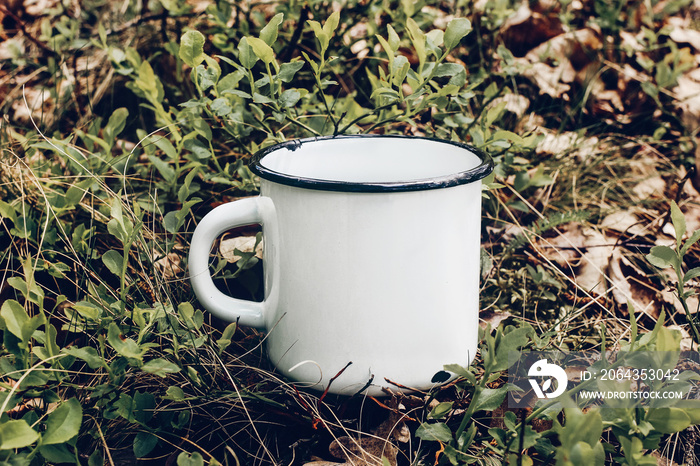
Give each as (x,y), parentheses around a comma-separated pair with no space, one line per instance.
(371,257)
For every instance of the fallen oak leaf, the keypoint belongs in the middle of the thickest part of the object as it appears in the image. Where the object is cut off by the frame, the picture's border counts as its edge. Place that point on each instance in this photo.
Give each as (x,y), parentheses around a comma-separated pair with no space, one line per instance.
(245,244)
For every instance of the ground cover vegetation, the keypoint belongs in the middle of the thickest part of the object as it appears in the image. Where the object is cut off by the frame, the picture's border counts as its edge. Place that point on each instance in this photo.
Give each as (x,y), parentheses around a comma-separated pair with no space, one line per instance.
(125,122)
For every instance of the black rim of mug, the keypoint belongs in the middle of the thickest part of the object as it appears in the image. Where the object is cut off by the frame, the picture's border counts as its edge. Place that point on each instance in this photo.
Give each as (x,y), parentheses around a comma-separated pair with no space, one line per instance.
(454,179)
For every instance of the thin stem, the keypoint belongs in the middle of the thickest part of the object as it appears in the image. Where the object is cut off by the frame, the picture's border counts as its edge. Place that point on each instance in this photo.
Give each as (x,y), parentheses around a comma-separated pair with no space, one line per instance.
(325,102)
(472,405)
(389,105)
(682,299)
(302,125)
(362,117)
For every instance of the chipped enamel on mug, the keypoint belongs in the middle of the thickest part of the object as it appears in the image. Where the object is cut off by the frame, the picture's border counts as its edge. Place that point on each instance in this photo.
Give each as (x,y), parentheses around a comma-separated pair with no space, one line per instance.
(371,257)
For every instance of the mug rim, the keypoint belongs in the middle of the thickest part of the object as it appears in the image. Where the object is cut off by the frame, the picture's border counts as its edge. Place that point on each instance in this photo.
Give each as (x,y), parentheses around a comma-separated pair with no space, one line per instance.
(444,181)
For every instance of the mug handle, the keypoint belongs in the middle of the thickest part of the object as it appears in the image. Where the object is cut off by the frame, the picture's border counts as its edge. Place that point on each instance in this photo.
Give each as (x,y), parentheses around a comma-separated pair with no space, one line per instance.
(249,211)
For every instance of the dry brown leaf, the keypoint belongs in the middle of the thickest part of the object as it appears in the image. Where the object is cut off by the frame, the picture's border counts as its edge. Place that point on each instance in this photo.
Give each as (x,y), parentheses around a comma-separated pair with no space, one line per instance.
(631,41)
(670,297)
(682,32)
(625,221)
(654,186)
(688,94)
(598,251)
(569,142)
(39,7)
(170,266)
(7,47)
(621,287)
(227,247)
(488,316)
(527,29)
(599,263)
(553,81)
(563,249)
(39,105)
(572,53)
(365,451)
(514,103)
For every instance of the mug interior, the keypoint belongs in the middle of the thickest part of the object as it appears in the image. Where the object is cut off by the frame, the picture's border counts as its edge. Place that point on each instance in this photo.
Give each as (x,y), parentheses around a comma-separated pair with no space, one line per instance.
(366,161)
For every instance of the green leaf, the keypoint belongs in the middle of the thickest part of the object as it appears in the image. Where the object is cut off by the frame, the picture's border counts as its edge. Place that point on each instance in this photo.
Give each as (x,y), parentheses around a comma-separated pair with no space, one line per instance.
(187,459)
(114,262)
(57,454)
(116,124)
(88,310)
(448,69)
(50,346)
(220,107)
(434,432)
(175,393)
(321,36)
(691,408)
(511,341)
(8,211)
(165,145)
(207,76)
(160,367)
(63,423)
(87,354)
(440,410)
(261,49)
(96,459)
(192,48)
(289,98)
(583,453)
(144,407)
(269,32)
(144,443)
(126,347)
(393,39)
(678,220)
(288,70)
(461,371)
(387,48)
(171,222)
(331,23)
(16,434)
(261,99)
(508,136)
(418,40)
(662,257)
(668,341)
(581,427)
(246,54)
(198,149)
(668,420)
(692,240)
(456,30)
(119,226)
(202,128)
(15,317)
(226,337)
(490,398)
(401,67)
(231,80)
(165,170)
